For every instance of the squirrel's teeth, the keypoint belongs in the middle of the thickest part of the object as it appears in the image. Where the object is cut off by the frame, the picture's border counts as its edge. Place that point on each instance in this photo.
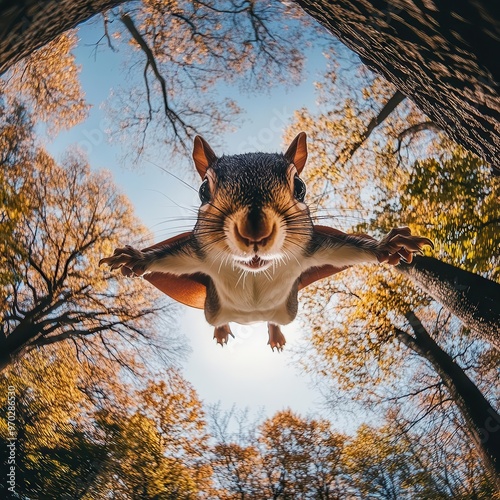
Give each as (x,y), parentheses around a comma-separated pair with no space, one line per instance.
(255,263)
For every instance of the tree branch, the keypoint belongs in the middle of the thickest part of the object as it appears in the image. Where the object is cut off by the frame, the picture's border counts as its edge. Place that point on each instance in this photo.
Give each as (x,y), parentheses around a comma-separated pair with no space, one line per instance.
(389,107)
(414,129)
(171,115)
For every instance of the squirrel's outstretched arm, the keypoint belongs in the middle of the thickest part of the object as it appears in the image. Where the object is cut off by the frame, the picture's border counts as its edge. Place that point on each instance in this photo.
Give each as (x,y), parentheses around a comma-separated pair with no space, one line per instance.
(332,247)
(177,255)
(173,266)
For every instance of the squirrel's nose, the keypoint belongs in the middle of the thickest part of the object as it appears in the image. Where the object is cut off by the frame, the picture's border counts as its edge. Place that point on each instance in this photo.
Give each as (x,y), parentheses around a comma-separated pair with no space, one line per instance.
(255,229)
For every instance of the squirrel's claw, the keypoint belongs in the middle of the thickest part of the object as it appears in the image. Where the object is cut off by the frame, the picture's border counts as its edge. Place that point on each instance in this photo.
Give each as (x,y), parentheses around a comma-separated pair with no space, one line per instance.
(276,338)
(399,244)
(129,260)
(221,334)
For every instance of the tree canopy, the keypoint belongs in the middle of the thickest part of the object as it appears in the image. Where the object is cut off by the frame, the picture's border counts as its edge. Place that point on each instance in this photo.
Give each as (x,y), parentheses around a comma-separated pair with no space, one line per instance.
(58,221)
(444,59)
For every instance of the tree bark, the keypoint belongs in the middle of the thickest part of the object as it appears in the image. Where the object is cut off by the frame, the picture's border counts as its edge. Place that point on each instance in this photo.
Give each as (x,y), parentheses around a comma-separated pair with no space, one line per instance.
(482,420)
(443,55)
(26,26)
(473,299)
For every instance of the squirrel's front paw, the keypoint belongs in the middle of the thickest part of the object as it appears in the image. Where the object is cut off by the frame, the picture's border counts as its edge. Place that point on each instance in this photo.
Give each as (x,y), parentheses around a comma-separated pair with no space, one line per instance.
(399,244)
(129,260)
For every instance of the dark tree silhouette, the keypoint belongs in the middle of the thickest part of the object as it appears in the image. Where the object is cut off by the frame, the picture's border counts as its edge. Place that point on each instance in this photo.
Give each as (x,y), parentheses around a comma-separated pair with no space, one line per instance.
(473,299)
(482,420)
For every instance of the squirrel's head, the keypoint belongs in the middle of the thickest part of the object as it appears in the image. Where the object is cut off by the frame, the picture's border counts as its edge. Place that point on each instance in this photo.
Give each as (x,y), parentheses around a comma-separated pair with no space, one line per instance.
(253,211)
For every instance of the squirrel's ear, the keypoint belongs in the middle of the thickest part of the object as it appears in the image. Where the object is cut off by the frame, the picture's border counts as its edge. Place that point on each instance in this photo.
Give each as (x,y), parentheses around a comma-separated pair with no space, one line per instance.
(297,152)
(203,155)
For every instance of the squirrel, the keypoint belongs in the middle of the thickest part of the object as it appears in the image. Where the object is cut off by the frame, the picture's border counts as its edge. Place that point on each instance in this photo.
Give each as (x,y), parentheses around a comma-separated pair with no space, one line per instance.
(254,244)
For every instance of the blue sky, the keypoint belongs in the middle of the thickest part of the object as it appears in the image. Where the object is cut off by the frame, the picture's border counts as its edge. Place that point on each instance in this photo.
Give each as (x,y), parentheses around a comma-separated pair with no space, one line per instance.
(245,372)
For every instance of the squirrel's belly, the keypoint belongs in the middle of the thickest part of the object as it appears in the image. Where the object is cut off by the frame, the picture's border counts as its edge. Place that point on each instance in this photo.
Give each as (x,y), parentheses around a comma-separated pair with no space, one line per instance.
(279,315)
(255,299)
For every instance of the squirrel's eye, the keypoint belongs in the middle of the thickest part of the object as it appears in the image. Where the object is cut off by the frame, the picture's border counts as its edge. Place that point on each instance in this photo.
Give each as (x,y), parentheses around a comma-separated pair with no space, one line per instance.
(299,188)
(204,192)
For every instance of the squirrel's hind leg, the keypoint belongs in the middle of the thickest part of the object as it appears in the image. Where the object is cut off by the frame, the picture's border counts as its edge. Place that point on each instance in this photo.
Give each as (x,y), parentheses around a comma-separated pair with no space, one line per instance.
(276,337)
(221,334)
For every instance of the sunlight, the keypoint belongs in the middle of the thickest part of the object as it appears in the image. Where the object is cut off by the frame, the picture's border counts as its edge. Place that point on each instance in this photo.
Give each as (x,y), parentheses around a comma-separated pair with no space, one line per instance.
(245,372)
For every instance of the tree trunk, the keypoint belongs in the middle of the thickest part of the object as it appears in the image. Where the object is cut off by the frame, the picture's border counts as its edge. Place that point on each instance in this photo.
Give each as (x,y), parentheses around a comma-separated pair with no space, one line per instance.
(482,420)
(473,299)
(13,346)
(26,26)
(443,55)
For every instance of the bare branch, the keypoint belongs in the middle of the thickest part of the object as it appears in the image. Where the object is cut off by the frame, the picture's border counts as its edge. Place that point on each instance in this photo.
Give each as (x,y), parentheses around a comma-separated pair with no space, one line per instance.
(415,129)
(106,32)
(389,107)
(173,117)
